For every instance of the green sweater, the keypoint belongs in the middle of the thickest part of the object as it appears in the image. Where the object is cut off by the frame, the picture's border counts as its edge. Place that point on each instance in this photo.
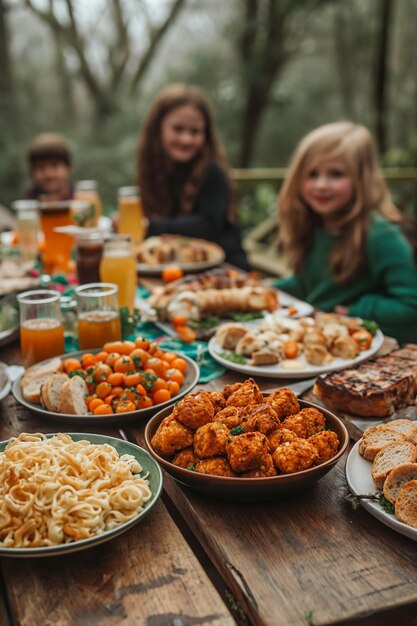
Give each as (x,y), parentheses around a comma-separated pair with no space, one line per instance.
(384,291)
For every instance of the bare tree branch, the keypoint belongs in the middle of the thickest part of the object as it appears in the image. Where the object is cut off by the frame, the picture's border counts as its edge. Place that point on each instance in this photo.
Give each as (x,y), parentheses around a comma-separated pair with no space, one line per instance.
(156,38)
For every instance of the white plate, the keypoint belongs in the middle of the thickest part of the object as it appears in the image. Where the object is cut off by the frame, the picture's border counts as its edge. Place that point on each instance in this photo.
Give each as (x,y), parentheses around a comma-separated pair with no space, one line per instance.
(150,468)
(192,375)
(359,480)
(285,300)
(277,371)
(217,253)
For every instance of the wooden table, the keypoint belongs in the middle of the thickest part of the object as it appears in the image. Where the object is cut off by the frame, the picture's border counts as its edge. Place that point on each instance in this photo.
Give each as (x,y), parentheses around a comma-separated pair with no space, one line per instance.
(306,559)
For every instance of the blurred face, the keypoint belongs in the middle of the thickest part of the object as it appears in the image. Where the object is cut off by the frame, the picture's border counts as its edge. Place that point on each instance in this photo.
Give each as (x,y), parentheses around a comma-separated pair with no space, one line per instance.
(52,175)
(328,187)
(183,133)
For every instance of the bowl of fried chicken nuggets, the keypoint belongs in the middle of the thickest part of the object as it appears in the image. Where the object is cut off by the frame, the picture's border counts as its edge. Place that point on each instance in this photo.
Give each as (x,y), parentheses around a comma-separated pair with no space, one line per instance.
(244,445)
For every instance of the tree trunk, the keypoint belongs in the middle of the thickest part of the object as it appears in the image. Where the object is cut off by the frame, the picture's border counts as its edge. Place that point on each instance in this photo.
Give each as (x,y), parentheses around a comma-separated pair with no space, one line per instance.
(381,73)
(9,116)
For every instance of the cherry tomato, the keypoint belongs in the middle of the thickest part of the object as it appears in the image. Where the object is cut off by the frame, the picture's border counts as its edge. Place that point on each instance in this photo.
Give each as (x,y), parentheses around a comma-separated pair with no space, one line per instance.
(71,364)
(103,389)
(171,272)
(173,387)
(161,395)
(88,359)
(131,380)
(176,375)
(179,364)
(95,403)
(125,407)
(291,349)
(124,365)
(116,379)
(103,409)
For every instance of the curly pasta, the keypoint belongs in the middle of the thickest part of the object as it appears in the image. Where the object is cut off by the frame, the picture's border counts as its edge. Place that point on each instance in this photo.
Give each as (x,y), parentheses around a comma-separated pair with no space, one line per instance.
(56,490)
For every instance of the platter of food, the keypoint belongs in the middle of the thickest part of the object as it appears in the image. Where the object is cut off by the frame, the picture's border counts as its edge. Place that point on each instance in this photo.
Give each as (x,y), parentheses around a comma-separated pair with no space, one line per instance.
(16,275)
(113,485)
(9,320)
(102,386)
(190,254)
(279,347)
(381,472)
(243,445)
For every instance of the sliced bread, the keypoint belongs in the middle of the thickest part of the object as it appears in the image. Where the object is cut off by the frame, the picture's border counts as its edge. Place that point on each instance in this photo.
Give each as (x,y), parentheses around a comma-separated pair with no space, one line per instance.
(35,376)
(391,456)
(73,395)
(51,391)
(407,427)
(377,437)
(406,504)
(397,478)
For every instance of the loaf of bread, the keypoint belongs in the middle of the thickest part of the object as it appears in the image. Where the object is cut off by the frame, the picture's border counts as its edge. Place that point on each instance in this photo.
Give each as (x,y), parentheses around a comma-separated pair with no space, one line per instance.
(374,388)
(391,456)
(397,478)
(51,391)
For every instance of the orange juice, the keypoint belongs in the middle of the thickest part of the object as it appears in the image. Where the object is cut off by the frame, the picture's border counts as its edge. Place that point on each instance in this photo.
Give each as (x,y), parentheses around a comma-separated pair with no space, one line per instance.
(118,266)
(95,328)
(131,213)
(58,246)
(40,339)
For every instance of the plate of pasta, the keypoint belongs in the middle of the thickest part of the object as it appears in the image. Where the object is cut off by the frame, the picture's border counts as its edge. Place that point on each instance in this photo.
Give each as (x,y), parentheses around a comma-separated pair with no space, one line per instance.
(61,493)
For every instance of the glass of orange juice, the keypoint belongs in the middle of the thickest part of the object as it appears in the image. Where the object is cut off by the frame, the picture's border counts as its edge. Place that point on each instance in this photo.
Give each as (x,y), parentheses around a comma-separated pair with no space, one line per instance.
(131,220)
(87,191)
(58,246)
(41,328)
(118,265)
(98,315)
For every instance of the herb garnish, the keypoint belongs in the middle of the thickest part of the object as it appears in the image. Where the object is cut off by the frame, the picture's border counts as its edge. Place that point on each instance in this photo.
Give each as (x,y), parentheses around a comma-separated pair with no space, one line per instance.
(386,505)
(370,326)
(191,467)
(245,316)
(211,321)
(234,358)
(129,320)
(79,373)
(237,430)
(355,501)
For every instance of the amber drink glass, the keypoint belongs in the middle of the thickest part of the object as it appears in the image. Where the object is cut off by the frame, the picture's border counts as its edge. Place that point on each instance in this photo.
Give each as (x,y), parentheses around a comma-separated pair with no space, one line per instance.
(98,315)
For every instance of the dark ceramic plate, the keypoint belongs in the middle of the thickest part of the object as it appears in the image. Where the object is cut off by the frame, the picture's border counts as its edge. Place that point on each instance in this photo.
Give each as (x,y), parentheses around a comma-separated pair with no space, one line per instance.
(250,489)
(191,379)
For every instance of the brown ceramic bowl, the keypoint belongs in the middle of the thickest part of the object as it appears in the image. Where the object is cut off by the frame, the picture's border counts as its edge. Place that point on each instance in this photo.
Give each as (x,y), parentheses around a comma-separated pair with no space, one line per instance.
(250,489)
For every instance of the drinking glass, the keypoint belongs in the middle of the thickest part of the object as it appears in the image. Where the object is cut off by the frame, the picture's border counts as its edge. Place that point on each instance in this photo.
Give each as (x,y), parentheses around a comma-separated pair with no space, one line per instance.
(118,265)
(41,328)
(89,253)
(27,227)
(58,246)
(87,190)
(130,213)
(98,315)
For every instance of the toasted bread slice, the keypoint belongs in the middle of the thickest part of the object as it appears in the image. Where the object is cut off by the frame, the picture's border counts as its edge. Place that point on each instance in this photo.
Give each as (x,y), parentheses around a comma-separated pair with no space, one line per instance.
(35,376)
(391,456)
(407,427)
(73,395)
(406,504)
(377,437)
(397,479)
(51,391)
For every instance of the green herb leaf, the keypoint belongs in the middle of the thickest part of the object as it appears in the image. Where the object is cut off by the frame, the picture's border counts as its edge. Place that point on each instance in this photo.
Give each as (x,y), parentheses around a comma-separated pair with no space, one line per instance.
(211,321)
(79,373)
(233,358)
(191,467)
(370,326)
(386,505)
(245,316)
(237,430)
(129,320)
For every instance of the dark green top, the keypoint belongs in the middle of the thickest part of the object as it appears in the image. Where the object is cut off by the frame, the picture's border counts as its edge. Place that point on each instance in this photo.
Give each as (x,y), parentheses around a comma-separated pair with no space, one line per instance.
(385,290)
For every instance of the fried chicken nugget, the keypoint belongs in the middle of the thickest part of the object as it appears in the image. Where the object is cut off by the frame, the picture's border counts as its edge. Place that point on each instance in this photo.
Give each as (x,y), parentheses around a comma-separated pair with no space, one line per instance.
(218,400)
(267,468)
(195,410)
(185,458)
(295,456)
(248,393)
(326,444)
(306,423)
(229,389)
(216,466)
(245,452)
(262,418)
(210,440)
(279,436)
(231,416)
(171,436)
(284,402)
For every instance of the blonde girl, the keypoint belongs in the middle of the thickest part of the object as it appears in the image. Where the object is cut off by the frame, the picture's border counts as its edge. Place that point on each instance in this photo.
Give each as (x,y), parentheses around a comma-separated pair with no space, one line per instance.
(337,229)
(183,174)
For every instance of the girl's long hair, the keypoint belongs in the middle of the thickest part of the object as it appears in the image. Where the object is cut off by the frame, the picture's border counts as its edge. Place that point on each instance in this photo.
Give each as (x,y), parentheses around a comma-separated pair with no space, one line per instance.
(163,182)
(353,144)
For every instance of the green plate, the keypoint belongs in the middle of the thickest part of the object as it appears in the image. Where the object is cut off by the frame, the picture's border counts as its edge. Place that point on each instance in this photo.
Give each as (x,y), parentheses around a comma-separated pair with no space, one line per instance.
(149,466)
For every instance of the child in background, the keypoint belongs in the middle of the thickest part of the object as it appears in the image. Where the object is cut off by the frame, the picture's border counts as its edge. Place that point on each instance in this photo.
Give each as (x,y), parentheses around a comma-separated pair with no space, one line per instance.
(335,220)
(183,174)
(49,160)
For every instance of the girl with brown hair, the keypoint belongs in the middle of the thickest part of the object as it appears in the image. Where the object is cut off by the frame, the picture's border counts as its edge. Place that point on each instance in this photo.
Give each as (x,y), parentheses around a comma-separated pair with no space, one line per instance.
(335,219)
(183,174)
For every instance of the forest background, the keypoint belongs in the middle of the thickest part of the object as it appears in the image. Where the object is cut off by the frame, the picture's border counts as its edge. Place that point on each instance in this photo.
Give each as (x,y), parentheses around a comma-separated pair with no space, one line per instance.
(273,69)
